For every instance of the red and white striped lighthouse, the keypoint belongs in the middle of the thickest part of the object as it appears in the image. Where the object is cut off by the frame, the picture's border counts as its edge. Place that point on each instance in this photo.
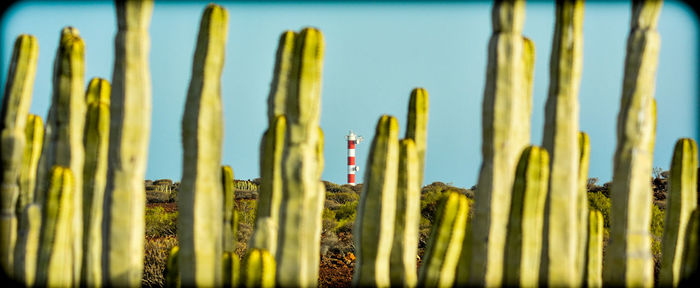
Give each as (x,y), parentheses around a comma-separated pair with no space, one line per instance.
(352,168)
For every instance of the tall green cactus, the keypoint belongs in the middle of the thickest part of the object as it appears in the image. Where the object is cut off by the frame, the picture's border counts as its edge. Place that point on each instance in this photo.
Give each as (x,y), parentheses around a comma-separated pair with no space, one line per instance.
(271,149)
(63,138)
(505,133)
(582,213)
(96,139)
(230,260)
(201,211)
(374,225)
(594,250)
(405,247)
(130,128)
(525,225)
(13,119)
(55,259)
(442,254)
(259,269)
(303,193)
(691,255)
(172,273)
(417,127)
(270,193)
(681,201)
(34,136)
(27,248)
(229,213)
(629,261)
(559,253)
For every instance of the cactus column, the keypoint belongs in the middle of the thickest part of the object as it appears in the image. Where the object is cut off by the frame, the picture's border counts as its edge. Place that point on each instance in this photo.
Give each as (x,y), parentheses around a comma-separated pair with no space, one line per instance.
(96,138)
(63,139)
(505,133)
(417,127)
(130,127)
(15,107)
(271,149)
(303,193)
(560,244)
(682,200)
(374,226)
(201,211)
(628,260)
(405,246)
(34,136)
(524,241)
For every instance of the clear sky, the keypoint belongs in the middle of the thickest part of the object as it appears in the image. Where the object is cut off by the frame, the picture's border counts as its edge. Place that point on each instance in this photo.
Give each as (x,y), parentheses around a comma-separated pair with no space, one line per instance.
(375,55)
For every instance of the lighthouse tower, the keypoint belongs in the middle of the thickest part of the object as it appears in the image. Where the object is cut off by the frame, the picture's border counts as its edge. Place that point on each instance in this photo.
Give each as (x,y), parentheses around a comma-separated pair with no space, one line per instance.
(352,168)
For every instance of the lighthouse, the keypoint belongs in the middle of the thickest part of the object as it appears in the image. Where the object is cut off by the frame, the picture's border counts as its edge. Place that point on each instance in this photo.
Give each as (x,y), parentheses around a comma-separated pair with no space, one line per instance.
(352,168)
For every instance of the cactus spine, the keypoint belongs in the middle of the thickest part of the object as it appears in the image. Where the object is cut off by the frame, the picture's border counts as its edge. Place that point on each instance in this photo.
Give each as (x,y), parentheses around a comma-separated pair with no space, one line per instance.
(55,260)
(303,193)
(629,261)
(682,200)
(130,127)
(594,251)
(405,246)
(260,269)
(582,213)
(15,107)
(417,127)
(27,248)
(445,244)
(63,138)
(96,139)
(525,238)
(505,133)
(200,231)
(34,136)
(559,253)
(374,227)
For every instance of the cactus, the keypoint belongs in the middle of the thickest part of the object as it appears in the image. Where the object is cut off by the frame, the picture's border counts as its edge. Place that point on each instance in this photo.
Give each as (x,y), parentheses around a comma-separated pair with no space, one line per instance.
(594,250)
(232,268)
(55,259)
(681,201)
(445,244)
(417,127)
(505,132)
(15,107)
(27,248)
(260,269)
(63,138)
(130,128)
(34,136)
(201,211)
(270,194)
(525,225)
(582,213)
(691,254)
(96,139)
(229,236)
(303,193)
(405,247)
(628,260)
(172,273)
(374,226)
(560,244)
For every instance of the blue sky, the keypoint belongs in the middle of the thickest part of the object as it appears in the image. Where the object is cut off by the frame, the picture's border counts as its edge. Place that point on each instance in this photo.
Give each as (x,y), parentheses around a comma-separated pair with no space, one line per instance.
(375,55)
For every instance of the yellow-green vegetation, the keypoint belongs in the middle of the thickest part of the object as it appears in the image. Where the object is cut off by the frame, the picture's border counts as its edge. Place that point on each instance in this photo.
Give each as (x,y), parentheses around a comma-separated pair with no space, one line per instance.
(155,258)
(160,223)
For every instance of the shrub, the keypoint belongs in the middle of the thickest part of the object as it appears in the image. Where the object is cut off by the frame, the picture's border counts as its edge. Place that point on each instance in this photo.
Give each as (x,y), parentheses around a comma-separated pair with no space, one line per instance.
(598,201)
(343,197)
(155,259)
(160,223)
(153,196)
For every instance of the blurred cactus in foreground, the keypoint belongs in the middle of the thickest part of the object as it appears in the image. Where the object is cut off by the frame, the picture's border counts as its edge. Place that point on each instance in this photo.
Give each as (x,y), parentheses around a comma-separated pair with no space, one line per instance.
(405,244)
(628,260)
